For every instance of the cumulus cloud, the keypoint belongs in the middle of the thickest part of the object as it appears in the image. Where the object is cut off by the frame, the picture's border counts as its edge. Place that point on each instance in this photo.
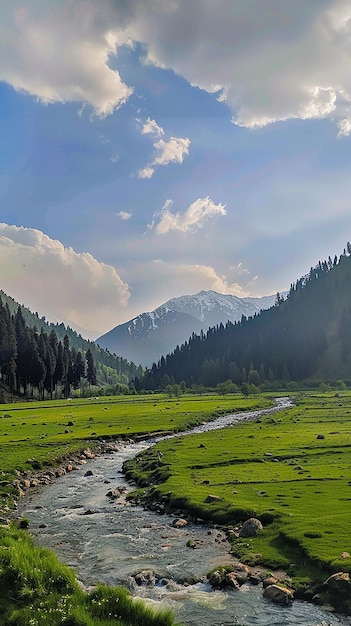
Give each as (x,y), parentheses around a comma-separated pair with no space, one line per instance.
(124,215)
(155,282)
(59,51)
(344,127)
(146,172)
(193,218)
(269,61)
(172,151)
(65,286)
(152,128)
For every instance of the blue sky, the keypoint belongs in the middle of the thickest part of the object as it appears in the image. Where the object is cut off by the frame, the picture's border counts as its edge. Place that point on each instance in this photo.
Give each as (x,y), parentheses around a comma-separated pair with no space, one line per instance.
(153,149)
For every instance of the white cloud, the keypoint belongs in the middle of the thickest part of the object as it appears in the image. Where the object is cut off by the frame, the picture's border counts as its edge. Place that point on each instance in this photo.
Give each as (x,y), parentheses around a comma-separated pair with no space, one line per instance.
(172,151)
(114,158)
(146,172)
(344,127)
(192,219)
(65,286)
(239,269)
(124,215)
(155,282)
(59,51)
(269,61)
(152,128)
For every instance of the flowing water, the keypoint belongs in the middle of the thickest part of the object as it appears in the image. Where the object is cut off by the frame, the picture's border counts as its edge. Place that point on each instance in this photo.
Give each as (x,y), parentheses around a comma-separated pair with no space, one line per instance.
(110,541)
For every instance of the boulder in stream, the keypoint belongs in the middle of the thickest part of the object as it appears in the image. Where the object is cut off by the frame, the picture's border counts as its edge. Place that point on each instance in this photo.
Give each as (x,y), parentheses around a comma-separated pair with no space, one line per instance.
(146,577)
(279,595)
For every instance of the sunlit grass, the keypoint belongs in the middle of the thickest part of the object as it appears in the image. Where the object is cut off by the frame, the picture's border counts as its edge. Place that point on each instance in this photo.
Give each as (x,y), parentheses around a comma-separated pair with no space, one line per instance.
(37,590)
(291,470)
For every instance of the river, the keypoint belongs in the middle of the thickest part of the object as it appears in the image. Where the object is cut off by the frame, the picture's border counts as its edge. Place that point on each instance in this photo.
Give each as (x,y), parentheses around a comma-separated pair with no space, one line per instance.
(110,541)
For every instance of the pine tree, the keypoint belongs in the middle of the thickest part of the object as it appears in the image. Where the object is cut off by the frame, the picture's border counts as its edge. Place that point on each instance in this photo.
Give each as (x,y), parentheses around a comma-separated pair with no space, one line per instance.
(91,371)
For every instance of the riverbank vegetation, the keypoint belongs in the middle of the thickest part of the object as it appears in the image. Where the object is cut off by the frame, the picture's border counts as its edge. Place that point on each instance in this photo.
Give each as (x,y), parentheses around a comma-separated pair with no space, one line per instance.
(35,589)
(291,470)
(37,435)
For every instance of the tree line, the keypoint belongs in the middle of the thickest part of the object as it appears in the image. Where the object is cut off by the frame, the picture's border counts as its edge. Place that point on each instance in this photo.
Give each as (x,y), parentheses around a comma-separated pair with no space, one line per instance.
(39,364)
(111,369)
(285,343)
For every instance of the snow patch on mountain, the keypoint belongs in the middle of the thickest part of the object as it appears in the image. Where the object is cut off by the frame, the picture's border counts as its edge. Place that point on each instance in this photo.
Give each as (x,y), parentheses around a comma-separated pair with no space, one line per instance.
(148,336)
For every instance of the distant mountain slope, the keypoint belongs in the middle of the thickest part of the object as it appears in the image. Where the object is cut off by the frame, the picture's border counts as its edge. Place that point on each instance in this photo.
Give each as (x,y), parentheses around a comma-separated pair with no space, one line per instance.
(148,336)
(305,336)
(109,367)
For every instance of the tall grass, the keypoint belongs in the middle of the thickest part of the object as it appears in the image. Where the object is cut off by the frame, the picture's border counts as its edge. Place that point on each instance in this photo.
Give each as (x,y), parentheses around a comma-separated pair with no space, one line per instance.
(37,590)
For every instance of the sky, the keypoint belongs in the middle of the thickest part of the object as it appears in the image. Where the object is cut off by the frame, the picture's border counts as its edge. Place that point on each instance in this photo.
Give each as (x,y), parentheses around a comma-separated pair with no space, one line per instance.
(151,149)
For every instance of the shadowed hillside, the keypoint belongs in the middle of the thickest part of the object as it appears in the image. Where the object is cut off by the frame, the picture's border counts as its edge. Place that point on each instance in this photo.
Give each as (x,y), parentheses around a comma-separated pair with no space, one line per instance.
(305,335)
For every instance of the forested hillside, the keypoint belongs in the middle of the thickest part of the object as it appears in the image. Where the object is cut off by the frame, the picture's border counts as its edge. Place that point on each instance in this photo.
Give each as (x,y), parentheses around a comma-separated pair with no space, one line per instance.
(51,358)
(306,335)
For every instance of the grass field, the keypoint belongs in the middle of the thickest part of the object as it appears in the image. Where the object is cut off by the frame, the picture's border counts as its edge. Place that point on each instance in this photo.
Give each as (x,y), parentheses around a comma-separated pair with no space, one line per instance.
(35,589)
(37,434)
(292,470)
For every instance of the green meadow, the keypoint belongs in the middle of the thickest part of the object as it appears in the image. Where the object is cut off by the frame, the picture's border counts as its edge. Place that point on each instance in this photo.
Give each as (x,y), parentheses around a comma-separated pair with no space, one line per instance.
(36,435)
(291,469)
(35,588)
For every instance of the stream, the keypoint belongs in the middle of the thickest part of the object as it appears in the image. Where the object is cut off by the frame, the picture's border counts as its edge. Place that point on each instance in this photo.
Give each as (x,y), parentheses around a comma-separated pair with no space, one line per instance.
(111,541)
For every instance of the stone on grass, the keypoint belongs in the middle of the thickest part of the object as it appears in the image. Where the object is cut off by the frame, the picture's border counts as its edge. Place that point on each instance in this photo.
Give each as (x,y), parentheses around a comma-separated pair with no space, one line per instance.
(251,527)
(212,498)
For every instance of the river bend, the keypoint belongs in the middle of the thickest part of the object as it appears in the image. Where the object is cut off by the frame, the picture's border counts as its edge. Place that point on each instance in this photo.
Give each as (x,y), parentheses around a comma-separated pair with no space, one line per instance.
(110,541)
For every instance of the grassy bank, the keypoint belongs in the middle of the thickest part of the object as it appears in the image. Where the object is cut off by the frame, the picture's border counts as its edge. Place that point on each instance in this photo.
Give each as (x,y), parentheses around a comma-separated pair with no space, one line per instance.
(38,435)
(291,470)
(35,589)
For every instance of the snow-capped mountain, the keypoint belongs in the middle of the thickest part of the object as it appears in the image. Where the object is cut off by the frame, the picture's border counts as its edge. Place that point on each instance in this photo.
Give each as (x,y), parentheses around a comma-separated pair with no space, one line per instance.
(149,335)
(212,308)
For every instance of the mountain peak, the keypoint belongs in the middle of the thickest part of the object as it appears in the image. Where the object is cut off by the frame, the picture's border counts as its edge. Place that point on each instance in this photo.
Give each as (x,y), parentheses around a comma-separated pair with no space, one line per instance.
(147,337)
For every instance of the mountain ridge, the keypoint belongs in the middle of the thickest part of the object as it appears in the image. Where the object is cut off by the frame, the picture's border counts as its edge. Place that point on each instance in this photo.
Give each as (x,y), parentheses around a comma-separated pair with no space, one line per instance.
(305,337)
(148,336)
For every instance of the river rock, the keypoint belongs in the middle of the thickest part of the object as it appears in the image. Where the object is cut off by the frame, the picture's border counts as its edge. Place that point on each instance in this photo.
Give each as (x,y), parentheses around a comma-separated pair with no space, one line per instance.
(279,595)
(195,543)
(339,583)
(241,573)
(222,579)
(113,494)
(216,579)
(88,454)
(251,527)
(146,577)
(271,580)
(231,581)
(179,522)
